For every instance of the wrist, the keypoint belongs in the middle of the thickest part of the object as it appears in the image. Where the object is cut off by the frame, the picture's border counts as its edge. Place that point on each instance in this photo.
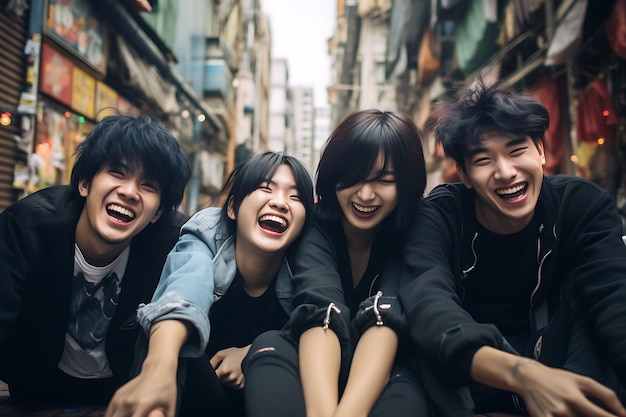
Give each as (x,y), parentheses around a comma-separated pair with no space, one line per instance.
(523,373)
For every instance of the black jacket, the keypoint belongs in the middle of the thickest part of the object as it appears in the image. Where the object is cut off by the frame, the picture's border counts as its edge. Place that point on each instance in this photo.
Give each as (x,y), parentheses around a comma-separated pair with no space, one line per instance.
(36,268)
(579,245)
(323,275)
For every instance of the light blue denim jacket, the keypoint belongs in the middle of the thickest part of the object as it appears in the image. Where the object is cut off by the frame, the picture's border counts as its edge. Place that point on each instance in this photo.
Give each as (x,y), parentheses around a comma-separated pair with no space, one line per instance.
(197,273)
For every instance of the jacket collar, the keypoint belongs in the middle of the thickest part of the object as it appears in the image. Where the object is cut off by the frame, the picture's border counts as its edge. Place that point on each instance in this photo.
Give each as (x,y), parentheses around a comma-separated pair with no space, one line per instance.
(547,207)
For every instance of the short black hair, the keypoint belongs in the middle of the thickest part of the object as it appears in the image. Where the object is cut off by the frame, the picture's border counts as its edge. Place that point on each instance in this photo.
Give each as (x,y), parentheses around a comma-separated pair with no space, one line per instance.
(256,170)
(481,109)
(350,154)
(137,142)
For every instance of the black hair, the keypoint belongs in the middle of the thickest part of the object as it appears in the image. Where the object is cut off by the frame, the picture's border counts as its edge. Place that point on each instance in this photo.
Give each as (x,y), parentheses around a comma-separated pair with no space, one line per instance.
(140,143)
(255,171)
(351,152)
(481,109)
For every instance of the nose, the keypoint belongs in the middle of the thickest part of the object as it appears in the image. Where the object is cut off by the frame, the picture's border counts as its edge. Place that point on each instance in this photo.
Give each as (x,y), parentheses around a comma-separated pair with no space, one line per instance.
(505,170)
(366,191)
(280,201)
(129,190)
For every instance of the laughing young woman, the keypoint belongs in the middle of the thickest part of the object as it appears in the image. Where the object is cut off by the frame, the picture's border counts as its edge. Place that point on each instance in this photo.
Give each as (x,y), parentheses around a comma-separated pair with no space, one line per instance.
(346,275)
(229,268)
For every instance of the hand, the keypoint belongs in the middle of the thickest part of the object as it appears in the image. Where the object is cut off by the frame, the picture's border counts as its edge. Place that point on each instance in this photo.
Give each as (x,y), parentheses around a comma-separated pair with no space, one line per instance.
(557,392)
(151,394)
(227,365)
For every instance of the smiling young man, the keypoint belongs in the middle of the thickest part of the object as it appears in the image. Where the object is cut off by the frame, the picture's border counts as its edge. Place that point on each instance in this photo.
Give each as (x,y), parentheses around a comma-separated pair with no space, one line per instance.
(516,282)
(77,260)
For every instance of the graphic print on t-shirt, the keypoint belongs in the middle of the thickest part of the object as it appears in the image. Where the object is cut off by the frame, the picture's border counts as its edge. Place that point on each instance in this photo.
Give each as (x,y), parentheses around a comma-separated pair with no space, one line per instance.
(92,308)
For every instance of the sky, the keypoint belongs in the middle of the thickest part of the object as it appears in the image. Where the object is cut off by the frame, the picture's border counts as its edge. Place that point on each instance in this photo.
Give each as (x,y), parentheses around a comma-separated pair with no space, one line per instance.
(300,32)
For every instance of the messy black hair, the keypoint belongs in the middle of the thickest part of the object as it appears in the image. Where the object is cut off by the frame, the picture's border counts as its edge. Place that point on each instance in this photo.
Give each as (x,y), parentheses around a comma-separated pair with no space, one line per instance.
(138,142)
(481,109)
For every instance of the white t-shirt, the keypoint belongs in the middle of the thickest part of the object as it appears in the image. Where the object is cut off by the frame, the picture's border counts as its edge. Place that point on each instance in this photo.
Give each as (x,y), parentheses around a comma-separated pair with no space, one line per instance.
(95,294)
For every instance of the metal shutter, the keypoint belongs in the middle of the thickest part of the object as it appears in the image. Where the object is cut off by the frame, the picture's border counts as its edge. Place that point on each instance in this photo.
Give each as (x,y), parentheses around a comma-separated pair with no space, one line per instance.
(12,67)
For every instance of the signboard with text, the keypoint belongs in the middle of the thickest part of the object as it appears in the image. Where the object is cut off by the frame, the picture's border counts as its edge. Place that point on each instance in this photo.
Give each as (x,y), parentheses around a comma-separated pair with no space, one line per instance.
(76,26)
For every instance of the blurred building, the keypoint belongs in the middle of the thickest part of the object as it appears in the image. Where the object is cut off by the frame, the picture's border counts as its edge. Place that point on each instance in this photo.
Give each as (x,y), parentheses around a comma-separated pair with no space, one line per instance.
(303,113)
(280,124)
(321,130)
(568,54)
(199,66)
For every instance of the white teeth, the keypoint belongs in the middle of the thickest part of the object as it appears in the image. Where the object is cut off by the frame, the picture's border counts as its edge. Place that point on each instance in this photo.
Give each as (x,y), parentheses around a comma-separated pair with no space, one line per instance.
(121,210)
(511,190)
(276,219)
(365,209)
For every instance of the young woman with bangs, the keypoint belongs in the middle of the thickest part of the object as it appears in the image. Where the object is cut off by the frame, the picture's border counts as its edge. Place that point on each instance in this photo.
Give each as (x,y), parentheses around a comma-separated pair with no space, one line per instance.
(345,351)
(227,280)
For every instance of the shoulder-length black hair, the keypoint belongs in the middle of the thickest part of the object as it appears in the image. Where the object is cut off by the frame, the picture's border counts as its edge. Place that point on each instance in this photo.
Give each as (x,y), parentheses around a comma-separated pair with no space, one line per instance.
(257,170)
(139,142)
(350,154)
(484,108)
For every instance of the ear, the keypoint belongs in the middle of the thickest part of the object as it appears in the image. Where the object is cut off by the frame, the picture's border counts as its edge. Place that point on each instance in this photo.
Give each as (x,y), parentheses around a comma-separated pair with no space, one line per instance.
(463,177)
(83,187)
(158,215)
(231,211)
(542,152)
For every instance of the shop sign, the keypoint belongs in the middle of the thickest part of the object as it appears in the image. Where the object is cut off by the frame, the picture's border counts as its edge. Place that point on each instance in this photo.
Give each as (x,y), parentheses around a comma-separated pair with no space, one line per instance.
(76,26)
(56,75)
(83,93)
(106,101)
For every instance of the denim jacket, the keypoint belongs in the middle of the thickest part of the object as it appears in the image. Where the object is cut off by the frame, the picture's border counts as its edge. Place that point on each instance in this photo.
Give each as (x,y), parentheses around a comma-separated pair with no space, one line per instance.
(198,272)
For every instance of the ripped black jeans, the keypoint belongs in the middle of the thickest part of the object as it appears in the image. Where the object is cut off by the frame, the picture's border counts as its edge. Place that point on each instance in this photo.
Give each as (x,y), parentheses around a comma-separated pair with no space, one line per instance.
(273,386)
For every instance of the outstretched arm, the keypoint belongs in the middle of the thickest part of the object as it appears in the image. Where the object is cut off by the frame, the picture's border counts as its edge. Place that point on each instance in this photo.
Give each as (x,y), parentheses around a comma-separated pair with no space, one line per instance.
(320,361)
(155,387)
(546,391)
(369,372)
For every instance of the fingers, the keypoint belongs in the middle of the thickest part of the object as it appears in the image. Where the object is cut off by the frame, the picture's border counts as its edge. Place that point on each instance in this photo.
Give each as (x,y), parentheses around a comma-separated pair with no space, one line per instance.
(216,359)
(157,412)
(607,396)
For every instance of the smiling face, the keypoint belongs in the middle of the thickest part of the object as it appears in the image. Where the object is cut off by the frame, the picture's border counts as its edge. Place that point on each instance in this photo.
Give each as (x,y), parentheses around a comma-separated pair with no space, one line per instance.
(119,204)
(366,204)
(506,172)
(271,217)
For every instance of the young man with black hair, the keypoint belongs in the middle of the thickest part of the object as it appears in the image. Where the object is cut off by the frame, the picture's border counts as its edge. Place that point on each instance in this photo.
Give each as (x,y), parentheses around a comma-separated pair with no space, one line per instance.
(516,282)
(77,260)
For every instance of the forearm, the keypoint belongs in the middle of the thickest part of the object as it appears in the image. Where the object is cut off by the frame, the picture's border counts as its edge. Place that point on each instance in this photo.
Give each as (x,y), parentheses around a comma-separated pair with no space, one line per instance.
(166,339)
(320,362)
(499,369)
(369,372)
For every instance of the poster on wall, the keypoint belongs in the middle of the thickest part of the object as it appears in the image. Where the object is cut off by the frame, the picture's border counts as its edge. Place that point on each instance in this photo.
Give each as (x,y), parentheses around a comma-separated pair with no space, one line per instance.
(56,75)
(58,134)
(75,25)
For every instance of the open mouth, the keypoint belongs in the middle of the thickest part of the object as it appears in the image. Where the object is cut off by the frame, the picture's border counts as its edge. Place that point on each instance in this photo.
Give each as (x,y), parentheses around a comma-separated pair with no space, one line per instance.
(513,192)
(364,209)
(120,213)
(273,223)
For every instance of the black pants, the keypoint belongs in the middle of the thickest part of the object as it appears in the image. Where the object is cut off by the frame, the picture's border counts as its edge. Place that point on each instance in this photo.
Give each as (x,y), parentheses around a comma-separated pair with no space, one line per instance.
(273,386)
(567,342)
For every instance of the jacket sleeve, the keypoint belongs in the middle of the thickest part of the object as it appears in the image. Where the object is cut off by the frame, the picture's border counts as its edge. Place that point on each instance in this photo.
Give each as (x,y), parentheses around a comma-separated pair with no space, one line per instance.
(596,255)
(431,294)
(317,285)
(184,292)
(14,278)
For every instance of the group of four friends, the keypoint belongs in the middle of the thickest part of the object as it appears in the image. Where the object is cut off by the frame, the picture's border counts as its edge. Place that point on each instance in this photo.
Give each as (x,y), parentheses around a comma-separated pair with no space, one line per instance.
(353,296)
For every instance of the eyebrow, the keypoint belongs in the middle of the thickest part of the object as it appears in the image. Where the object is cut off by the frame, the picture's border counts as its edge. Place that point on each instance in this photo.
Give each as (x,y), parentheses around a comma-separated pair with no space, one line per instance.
(268,181)
(509,144)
